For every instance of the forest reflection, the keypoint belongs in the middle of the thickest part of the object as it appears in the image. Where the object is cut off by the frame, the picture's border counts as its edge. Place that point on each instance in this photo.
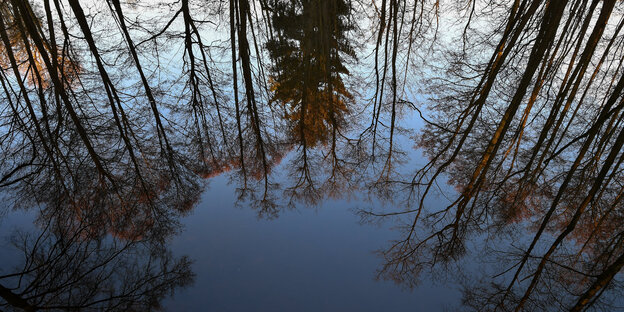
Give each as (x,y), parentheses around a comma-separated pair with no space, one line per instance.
(113,122)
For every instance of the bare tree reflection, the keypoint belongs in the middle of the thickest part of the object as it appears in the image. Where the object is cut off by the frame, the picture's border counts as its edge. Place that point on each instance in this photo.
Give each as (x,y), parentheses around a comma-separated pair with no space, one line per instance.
(106,213)
(68,267)
(524,121)
(532,144)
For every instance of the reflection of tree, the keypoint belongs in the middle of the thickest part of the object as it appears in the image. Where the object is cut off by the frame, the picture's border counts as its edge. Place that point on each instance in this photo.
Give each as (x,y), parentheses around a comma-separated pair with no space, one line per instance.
(308,52)
(204,121)
(257,146)
(532,142)
(66,267)
(111,193)
(403,34)
(526,123)
(34,71)
(142,184)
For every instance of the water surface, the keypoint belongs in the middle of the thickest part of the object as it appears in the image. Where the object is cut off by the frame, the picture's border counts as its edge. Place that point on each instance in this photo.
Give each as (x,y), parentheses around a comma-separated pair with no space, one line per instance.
(269,155)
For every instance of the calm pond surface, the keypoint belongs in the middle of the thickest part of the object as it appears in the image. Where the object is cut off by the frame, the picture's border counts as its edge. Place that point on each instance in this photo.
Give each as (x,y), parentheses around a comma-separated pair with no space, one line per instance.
(311,155)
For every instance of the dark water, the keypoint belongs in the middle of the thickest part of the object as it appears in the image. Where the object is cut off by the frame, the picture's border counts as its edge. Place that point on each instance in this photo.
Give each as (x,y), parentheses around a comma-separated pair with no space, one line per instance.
(306,260)
(311,155)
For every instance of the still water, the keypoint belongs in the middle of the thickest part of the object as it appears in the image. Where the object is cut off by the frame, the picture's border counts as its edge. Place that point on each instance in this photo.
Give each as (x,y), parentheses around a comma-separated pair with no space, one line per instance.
(308,259)
(311,155)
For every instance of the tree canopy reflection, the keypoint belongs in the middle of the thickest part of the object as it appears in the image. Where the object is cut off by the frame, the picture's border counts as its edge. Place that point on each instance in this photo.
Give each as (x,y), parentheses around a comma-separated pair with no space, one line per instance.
(113,121)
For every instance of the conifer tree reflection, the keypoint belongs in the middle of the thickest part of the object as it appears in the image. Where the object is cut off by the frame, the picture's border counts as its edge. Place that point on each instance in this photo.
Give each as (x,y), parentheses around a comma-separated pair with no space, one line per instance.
(308,51)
